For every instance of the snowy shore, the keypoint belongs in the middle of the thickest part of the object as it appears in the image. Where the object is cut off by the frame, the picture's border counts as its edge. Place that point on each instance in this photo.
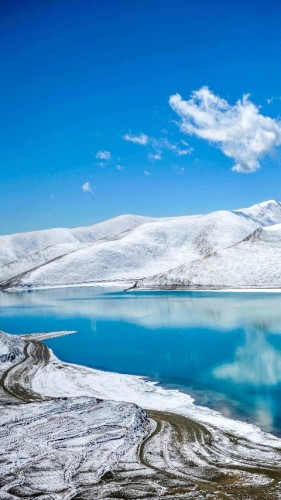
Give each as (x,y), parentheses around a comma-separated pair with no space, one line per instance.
(81,424)
(130,287)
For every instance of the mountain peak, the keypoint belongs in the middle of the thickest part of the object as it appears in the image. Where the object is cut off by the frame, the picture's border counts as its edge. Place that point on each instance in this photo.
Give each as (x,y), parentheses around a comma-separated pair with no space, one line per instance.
(268,203)
(265,213)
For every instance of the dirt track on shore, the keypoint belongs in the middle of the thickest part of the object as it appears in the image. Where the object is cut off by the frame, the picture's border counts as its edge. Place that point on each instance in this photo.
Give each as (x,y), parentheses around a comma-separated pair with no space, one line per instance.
(16,381)
(179,459)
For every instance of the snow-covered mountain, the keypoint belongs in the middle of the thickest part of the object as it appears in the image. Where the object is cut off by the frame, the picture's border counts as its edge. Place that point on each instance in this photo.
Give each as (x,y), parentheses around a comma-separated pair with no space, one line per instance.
(16,246)
(254,262)
(265,213)
(131,248)
(22,252)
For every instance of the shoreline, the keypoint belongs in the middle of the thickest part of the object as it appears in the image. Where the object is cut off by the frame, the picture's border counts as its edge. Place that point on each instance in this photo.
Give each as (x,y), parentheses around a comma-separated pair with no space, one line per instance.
(128,286)
(140,390)
(182,447)
(136,389)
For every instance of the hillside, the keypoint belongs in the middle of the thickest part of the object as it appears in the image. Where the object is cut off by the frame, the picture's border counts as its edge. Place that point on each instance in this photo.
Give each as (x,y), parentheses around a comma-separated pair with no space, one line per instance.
(254,262)
(22,252)
(130,248)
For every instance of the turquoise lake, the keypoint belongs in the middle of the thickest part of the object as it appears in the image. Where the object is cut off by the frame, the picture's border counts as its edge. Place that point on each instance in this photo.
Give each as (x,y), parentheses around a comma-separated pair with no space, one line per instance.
(222,348)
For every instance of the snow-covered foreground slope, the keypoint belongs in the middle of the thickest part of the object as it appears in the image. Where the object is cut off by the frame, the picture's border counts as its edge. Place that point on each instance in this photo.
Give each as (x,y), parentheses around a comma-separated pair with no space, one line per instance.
(127,248)
(67,443)
(254,262)
(57,448)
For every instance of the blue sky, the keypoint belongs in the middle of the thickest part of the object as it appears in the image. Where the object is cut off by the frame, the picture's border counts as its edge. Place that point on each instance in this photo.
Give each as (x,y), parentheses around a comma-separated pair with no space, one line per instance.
(78,78)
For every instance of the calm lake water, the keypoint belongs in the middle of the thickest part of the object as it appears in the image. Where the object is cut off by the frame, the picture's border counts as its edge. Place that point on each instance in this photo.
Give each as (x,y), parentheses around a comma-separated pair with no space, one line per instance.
(223,348)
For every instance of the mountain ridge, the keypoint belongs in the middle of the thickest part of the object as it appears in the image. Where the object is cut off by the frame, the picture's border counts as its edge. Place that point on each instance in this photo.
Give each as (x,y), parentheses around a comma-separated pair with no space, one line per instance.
(253,262)
(128,248)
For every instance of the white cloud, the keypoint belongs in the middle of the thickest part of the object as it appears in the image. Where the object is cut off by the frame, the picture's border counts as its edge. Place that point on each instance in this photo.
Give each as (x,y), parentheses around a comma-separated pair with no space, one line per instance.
(87,188)
(240,130)
(119,167)
(142,139)
(157,155)
(103,155)
(164,143)
(158,145)
(146,173)
(272,99)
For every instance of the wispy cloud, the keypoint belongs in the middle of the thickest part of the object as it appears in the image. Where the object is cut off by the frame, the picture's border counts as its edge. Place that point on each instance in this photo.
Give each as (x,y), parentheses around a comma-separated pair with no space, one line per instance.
(141,139)
(119,167)
(179,169)
(159,145)
(86,187)
(164,143)
(146,173)
(273,99)
(156,156)
(240,130)
(103,155)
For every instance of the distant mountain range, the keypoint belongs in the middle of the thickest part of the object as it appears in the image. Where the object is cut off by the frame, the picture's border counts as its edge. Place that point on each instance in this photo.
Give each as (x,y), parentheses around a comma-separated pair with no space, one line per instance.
(239,248)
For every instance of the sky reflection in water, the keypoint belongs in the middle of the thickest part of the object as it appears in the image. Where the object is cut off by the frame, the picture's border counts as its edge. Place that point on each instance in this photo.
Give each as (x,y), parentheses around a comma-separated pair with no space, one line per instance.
(224,348)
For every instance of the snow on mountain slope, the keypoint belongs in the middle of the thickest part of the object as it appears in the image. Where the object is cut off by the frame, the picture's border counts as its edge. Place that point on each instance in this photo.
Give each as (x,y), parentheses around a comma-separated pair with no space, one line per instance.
(126,247)
(25,251)
(36,259)
(16,246)
(265,213)
(254,262)
(150,247)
